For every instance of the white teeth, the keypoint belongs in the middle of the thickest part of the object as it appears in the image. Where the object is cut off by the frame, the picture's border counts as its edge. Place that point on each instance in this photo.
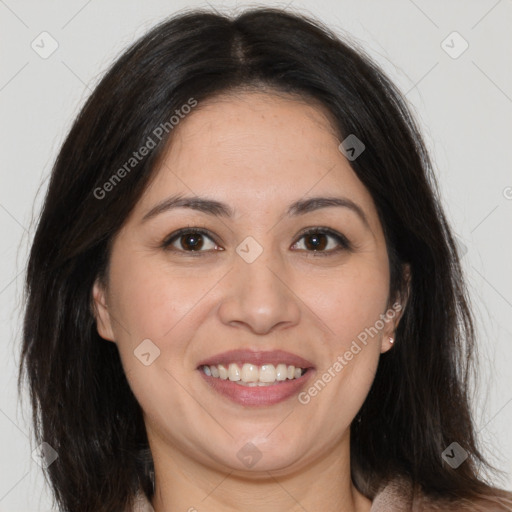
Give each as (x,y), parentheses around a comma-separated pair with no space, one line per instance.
(233,372)
(250,373)
(281,372)
(267,373)
(253,375)
(223,372)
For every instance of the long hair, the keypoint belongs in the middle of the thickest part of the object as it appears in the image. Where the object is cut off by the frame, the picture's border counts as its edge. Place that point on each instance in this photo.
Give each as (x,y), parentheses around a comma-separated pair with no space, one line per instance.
(82,404)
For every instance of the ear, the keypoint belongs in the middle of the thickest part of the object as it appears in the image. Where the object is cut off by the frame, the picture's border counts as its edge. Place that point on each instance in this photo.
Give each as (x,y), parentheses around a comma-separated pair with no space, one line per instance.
(395,312)
(100,310)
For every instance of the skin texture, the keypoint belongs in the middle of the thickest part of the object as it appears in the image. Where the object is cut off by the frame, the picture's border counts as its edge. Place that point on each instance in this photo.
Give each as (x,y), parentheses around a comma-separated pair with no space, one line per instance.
(257,152)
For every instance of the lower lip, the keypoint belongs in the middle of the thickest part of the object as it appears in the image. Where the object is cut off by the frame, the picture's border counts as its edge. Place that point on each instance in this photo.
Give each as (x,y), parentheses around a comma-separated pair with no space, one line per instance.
(257,395)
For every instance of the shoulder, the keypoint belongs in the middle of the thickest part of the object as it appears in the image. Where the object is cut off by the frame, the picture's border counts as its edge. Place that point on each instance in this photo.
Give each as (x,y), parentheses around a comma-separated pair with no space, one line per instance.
(400,496)
(496,501)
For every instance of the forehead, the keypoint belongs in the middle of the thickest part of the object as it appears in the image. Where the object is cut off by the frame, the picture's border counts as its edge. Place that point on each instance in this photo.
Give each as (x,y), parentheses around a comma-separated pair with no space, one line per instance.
(255,150)
(271,129)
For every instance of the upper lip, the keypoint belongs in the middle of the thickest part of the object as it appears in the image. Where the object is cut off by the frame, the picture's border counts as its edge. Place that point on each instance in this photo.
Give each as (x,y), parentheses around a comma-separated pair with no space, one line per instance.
(257,358)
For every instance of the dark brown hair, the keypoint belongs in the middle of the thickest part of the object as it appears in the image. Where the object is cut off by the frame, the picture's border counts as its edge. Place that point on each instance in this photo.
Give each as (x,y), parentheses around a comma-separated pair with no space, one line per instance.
(82,404)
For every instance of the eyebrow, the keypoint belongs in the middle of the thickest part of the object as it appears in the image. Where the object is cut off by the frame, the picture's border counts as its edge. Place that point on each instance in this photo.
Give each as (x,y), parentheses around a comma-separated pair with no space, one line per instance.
(219,209)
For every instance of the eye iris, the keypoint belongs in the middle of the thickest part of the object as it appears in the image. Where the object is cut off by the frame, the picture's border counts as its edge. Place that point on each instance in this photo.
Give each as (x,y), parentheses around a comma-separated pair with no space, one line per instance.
(196,241)
(319,241)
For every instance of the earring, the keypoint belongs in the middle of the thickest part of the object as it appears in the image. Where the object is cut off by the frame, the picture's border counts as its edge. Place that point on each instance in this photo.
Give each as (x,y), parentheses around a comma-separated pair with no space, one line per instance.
(391,340)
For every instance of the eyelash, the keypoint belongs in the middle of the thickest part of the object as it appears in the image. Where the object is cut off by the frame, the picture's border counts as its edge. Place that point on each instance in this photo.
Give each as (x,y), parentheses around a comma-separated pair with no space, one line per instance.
(344,243)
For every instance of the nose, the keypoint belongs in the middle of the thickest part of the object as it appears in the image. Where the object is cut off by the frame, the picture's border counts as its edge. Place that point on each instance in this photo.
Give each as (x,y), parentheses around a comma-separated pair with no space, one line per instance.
(259,298)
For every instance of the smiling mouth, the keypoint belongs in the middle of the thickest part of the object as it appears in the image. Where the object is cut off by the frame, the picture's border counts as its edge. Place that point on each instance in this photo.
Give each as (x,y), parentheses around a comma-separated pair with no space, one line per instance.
(257,393)
(253,375)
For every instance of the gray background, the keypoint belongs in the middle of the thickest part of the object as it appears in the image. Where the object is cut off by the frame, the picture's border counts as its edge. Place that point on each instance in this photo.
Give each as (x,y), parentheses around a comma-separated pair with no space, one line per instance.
(463,104)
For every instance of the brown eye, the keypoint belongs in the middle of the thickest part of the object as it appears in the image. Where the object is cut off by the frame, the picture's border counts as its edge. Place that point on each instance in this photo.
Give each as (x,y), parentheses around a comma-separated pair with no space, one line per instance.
(323,241)
(316,242)
(190,240)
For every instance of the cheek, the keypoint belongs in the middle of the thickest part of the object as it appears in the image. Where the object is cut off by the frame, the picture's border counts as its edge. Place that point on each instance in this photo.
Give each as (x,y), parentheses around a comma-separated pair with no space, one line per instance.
(153,305)
(149,299)
(353,303)
(352,311)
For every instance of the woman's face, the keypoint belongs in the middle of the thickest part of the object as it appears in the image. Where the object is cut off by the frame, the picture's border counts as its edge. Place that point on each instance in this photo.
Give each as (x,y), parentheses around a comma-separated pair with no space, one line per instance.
(254,282)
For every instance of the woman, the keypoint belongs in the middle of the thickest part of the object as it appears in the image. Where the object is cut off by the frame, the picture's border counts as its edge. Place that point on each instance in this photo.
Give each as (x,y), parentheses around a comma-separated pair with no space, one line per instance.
(243,292)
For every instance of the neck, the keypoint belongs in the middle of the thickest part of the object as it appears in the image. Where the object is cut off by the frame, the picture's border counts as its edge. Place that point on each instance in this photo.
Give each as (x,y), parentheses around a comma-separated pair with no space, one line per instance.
(324,483)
